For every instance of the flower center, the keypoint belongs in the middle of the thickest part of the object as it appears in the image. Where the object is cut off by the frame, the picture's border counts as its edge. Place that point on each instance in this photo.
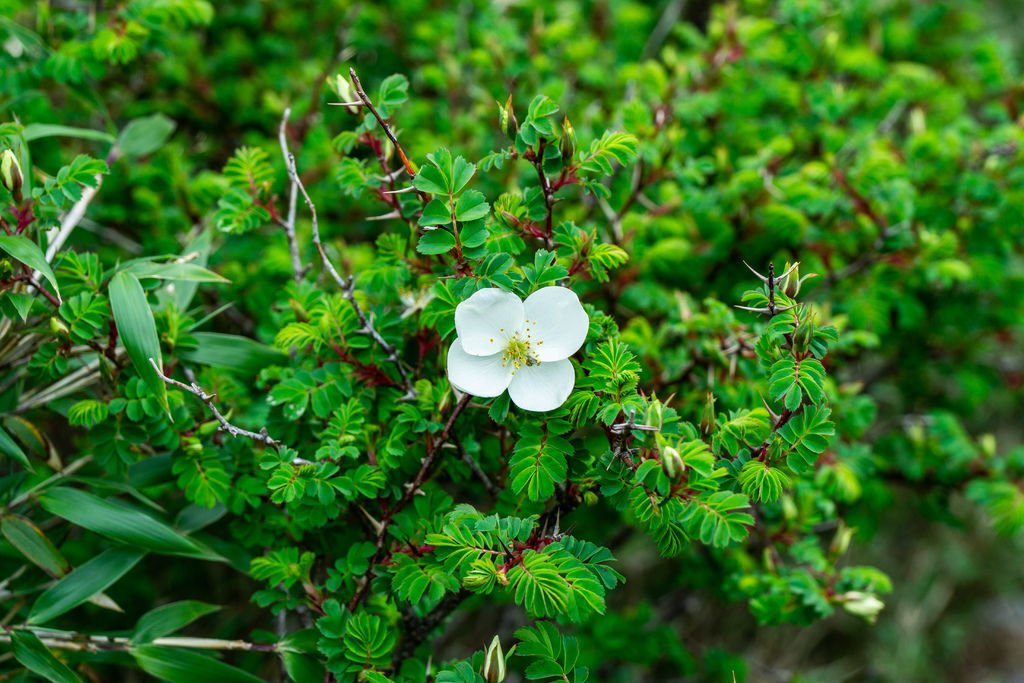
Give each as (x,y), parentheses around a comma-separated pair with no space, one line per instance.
(518,352)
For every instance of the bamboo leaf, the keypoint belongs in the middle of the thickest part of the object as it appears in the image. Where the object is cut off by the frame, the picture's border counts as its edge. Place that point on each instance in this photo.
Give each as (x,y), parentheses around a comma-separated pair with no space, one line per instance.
(137,329)
(34,545)
(167,619)
(177,665)
(28,252)
(10,447)
(120,522)
(93,577)
(231,352)
(36,657)
(36,131)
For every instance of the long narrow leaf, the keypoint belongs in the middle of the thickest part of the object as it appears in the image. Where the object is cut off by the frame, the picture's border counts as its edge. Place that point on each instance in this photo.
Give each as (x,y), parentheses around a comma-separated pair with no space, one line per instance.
(176,665)
(93,577)
(120,522)
(137,328)
(10,447)
(35,657)
(29,253)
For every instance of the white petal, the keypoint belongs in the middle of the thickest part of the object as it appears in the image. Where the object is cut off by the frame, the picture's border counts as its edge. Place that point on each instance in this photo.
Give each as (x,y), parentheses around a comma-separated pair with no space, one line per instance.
(556,323)
(542,387)
(477,375)
(486,320)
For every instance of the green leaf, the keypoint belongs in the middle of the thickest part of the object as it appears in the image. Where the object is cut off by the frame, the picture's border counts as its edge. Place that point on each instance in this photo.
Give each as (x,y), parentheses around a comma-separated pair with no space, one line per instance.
(167,619)
(34,656)
(393,90)
(231,352)
(177,665)
(93,577)
(137,329)
(429,179)
(183,272)
(36,131)
(368,641)
(436,213)
(145,135)
(437,241)
(10,447)
(462,173)
(763,483)
(471,206)
(806,436)
(29,253)
(538,463)
(120,522)
(34,545)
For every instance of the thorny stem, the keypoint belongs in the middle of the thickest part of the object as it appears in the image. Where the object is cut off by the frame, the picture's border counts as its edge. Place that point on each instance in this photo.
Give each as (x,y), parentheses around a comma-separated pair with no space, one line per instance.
(545,186)
(411,489)
(289,222)
(474,466)
(193,388)
(409,168)
(82,642)
(347,286)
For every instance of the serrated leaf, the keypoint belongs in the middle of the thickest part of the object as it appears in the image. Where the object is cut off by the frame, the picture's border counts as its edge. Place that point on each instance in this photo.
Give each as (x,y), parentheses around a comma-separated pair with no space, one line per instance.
(436,212)
(438,241)
(471,206)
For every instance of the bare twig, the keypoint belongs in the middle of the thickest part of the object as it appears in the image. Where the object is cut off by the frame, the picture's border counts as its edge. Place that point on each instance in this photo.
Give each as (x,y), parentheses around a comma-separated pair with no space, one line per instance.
(193,388)
(347,285)
(349,292)
(409,167)
(293,195)
(474,467)
(82,642)
(71,219)
(411,489)
(623,427)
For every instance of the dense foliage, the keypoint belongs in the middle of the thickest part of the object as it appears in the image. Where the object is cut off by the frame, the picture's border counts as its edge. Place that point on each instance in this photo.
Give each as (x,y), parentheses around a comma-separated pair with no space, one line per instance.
(231,268)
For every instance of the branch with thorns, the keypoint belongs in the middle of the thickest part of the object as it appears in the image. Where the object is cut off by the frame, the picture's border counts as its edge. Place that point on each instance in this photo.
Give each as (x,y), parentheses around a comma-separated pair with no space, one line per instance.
(225,426)
(347,285)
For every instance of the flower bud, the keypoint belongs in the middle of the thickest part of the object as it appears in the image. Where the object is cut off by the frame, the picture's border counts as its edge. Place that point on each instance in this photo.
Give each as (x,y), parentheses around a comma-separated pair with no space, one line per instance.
(347,93)
(707,419)
(792,285)
(804,334)
(494,662)
(671,464)
(841,541)
(10,174)
(58,327)
(567,145)
(507,118)
(861,604)
(590,498)
(655,414)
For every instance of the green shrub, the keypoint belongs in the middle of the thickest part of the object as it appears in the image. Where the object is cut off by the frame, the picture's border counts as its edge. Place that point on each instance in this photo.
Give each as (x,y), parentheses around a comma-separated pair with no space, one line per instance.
(240,353)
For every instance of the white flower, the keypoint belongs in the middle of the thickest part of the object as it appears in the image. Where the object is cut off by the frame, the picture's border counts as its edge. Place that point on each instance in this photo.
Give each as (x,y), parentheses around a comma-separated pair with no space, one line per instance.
(523,346)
